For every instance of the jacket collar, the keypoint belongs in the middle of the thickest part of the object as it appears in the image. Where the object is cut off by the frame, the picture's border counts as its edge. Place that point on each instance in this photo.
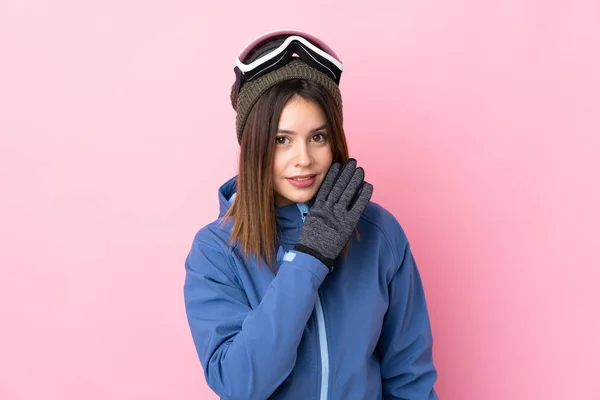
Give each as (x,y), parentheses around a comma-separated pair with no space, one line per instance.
(226,191)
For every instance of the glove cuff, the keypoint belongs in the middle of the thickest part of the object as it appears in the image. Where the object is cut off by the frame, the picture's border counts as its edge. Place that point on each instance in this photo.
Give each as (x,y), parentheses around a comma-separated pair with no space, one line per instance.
(327,261)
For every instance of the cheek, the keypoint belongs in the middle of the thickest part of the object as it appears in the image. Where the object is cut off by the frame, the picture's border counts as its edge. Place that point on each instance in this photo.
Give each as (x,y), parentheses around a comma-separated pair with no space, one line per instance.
(279,163)
(325,156)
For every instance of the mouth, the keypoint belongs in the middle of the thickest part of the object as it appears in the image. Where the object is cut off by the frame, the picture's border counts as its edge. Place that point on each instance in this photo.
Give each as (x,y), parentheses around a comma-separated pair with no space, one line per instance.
(302,177)
(302,181)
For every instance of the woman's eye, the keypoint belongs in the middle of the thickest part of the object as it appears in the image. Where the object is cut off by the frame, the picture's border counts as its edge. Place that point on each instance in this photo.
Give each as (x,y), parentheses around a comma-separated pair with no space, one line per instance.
(281,140)
(320,137)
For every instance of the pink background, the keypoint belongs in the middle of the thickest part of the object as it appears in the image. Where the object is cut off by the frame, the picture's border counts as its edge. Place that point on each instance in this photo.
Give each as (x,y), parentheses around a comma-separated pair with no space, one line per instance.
(477,122)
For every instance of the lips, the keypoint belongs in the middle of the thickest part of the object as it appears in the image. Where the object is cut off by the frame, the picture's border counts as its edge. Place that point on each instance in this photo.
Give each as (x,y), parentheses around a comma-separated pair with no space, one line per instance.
(302,181)
(302,177)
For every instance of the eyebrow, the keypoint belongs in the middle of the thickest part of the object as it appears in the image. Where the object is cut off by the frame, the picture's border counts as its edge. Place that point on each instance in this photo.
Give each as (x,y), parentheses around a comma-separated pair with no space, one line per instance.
(312,131)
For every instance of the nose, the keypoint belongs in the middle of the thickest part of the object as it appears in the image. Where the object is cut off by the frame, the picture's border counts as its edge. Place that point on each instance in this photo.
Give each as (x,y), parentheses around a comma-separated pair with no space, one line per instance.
(303,157)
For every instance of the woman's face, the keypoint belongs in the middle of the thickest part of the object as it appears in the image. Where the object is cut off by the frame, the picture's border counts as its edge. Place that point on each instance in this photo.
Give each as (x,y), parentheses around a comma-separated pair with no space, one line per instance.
(302,152)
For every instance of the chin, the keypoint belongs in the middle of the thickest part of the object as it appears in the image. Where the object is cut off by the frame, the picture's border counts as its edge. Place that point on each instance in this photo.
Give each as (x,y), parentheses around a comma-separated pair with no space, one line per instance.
(293,196)
(299,197)
(303,197)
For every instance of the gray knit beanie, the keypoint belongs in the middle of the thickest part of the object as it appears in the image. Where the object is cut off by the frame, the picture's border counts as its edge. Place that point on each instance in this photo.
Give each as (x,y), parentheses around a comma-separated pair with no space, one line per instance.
(295,69)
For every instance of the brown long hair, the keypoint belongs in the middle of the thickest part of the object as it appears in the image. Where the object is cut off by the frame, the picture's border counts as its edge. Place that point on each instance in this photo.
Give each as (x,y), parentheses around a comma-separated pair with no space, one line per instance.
(253,210)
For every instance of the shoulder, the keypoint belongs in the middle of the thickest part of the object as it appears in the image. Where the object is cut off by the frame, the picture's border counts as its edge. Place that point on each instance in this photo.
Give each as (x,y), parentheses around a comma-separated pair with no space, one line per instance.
(377,220)
(211,244)
(215,233)
(384,220)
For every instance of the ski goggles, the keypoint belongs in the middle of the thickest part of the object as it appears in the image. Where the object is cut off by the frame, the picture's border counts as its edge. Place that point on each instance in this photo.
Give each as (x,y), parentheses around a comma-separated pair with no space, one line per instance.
(274,49)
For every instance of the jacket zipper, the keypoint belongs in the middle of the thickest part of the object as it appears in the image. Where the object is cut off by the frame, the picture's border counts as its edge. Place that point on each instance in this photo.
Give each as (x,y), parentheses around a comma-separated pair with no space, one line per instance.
(324,350)
(322,332)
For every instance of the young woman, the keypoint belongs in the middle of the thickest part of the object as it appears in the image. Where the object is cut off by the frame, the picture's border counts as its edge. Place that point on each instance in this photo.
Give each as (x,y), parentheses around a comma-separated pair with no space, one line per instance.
(303,288)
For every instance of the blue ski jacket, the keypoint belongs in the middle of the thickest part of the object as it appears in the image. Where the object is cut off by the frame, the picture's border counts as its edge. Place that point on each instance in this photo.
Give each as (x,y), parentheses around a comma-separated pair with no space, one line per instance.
(361,331)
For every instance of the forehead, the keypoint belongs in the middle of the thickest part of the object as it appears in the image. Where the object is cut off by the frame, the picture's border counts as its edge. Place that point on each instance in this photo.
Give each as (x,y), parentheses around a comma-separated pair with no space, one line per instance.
(302,114)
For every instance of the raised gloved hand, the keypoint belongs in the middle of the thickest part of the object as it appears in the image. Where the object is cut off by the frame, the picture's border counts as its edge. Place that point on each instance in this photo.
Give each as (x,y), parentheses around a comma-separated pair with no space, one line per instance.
(339,203)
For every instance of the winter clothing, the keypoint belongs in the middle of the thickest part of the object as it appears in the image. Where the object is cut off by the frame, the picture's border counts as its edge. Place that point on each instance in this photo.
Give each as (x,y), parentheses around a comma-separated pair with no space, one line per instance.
(301,332)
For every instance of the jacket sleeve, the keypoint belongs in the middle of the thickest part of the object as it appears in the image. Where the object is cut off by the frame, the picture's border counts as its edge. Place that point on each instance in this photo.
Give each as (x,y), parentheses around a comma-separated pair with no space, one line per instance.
(405,344)
(247,353)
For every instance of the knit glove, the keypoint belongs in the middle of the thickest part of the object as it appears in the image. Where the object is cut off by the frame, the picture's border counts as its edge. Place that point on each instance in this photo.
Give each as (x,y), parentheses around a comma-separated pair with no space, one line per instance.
(338,205)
